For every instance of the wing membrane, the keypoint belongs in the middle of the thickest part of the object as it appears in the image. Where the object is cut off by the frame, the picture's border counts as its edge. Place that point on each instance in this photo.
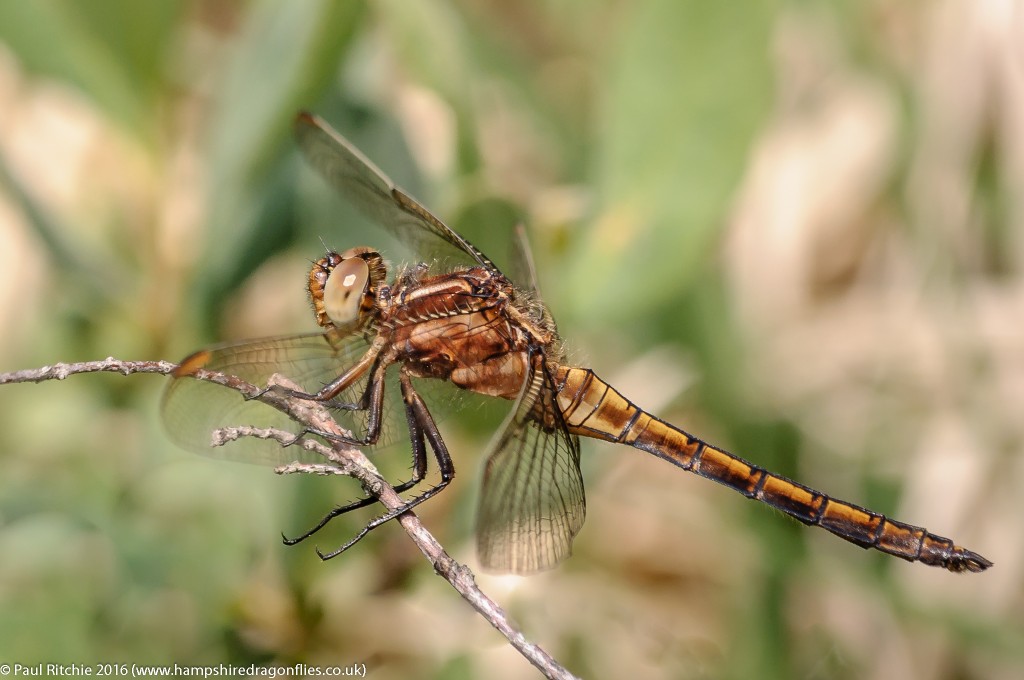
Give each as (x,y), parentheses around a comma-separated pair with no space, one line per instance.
(522,267)
(192,408)
(362,183)
(532,501)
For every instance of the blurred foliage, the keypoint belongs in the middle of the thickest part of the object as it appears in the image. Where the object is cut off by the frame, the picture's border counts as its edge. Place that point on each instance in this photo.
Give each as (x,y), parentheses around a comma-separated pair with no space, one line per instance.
(793,228)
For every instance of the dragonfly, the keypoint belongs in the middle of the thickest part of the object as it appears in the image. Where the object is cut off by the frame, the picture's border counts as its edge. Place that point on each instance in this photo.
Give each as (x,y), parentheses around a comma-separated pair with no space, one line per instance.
(455,318)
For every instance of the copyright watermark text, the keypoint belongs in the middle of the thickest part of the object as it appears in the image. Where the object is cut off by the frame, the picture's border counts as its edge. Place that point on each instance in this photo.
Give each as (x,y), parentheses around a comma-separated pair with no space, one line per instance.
(123,670)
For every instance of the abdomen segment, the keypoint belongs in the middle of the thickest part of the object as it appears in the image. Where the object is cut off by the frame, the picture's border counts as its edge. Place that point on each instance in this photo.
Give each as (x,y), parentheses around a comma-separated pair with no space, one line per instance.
(592,408)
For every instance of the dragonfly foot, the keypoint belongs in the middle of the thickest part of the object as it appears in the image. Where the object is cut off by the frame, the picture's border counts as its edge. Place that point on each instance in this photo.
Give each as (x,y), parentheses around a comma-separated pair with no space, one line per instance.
(258,394)
(293,541)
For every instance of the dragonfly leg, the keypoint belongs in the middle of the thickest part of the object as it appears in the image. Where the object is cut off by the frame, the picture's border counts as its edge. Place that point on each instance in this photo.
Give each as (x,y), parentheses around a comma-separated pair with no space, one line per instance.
(419,471)
(365,399)
(374,411)
(332,389)
(422,431)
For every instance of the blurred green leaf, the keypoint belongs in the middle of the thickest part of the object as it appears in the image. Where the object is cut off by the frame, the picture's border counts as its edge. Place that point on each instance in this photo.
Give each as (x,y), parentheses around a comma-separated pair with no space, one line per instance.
(113,51)
(689,85)
(440,62)
(286,57)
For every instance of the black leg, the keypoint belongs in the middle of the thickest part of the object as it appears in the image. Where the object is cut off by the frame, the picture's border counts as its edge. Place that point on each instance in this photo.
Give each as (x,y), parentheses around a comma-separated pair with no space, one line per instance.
(364,399)
(374,394)
(419,471)
(421,427)
(374,409)
(368,361)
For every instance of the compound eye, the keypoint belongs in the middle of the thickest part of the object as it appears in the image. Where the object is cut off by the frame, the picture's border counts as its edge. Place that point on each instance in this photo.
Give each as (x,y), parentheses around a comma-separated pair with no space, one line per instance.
(345,290)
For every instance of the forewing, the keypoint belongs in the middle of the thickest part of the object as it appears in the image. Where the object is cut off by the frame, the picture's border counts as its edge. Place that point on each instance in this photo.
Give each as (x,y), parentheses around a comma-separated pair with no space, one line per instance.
(521,267)
(532,501)
(363,184)
(192,409)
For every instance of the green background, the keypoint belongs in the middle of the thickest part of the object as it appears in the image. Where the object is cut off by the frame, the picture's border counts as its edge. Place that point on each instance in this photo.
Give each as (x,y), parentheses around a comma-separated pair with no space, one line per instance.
(795,229)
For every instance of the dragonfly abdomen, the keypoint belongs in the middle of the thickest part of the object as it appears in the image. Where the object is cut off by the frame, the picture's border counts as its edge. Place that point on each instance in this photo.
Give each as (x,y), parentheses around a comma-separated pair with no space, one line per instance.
(592,408)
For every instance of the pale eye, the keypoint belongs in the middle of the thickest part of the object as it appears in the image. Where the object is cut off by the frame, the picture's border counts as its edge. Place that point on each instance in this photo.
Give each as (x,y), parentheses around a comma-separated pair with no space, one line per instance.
(344,290)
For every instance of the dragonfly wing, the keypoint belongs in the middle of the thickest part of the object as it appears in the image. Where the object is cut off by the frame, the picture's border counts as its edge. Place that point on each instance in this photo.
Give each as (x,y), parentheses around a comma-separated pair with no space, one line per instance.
(524,273)
(521,266)
(362,183)
(532,501)
(192,409)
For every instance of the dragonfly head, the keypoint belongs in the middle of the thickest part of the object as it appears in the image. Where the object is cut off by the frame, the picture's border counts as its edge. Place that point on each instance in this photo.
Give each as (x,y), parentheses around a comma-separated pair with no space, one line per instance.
(343,286)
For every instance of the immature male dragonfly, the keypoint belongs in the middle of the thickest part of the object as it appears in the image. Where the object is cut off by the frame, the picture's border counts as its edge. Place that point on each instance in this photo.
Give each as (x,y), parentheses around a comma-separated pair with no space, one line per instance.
(467,324)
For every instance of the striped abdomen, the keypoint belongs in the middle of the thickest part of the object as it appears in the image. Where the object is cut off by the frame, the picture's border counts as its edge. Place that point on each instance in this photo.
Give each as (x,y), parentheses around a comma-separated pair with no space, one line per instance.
(592,408)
